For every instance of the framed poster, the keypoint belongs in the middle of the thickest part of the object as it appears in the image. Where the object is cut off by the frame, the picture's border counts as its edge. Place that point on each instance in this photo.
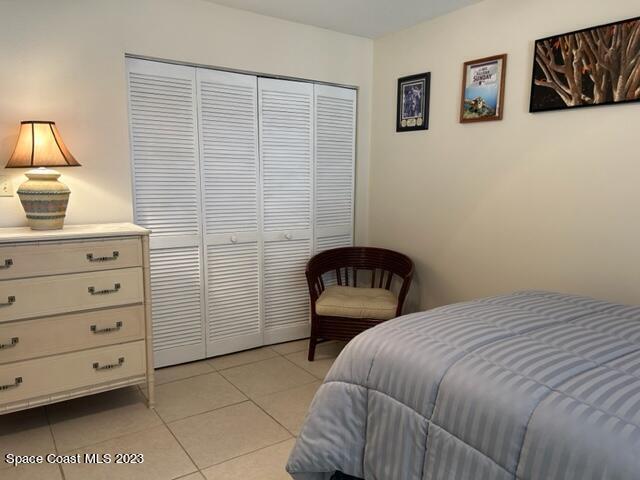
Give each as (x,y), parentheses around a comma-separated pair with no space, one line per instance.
(413,103)
(590,67)
(483,89)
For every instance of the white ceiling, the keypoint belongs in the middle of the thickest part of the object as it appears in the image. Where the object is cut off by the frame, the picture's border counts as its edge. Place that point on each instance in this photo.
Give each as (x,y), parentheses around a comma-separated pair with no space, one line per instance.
(366,18)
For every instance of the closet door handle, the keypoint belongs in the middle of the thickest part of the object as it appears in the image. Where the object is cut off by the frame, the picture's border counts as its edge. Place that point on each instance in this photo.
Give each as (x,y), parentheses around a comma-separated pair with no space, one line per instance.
(10,301)
(107,291)
(234,239)
(16,383)
(96,330)
(7,264)
(108,366)
(12,343)
(288,236)
(92,258)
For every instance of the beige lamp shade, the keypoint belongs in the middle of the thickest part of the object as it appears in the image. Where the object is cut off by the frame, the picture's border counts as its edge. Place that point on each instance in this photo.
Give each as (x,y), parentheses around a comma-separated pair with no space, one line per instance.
(40,145)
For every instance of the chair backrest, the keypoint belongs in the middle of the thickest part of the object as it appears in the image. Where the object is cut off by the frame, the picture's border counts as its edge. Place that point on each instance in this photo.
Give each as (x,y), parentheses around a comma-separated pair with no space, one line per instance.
(382,264)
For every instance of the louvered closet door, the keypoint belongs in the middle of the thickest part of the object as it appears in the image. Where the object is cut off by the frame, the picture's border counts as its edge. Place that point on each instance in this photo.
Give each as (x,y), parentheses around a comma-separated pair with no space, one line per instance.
(286,153)
(230,177)
(165,158)
(335,122)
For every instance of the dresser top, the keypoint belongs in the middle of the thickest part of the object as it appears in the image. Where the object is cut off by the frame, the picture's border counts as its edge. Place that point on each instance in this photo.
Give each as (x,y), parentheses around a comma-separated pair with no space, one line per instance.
(70,232)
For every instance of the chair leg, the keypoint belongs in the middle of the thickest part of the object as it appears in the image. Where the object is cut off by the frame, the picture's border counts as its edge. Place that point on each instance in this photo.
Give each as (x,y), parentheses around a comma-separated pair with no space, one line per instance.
(313,336)
(313,341)
(312,347)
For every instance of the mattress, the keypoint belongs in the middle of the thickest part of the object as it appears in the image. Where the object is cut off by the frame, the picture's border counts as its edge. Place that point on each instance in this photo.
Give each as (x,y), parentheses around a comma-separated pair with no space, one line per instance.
(532,385)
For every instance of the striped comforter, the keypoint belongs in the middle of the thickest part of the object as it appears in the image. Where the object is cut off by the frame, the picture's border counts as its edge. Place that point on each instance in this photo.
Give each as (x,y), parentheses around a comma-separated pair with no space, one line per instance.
(533,385)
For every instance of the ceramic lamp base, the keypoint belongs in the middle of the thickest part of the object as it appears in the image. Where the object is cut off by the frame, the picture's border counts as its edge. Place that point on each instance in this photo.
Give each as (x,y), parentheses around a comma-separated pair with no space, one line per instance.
(44,199)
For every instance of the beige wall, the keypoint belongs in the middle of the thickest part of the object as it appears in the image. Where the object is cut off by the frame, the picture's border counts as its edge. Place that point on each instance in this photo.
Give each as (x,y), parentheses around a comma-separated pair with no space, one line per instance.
(544,201)
(64,60)
(535,201)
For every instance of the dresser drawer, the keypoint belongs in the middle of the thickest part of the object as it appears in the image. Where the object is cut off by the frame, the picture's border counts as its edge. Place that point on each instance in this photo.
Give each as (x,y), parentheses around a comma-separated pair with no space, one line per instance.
(52,375)
(19,261)
(66,333)
(44,296)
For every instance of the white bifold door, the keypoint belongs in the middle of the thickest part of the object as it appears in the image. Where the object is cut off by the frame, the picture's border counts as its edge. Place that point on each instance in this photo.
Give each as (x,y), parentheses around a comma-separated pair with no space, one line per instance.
(230,168)
(335,135)
(163,121)
(286,151)
(241,179)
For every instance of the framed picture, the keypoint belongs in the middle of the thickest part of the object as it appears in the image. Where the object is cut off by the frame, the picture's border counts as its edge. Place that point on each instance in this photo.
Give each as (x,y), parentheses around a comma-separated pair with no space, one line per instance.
(413,103)
(483,89)
(589,67)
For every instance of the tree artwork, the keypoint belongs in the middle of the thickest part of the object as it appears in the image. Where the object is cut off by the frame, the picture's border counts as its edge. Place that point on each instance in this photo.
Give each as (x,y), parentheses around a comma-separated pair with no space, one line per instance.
(595,66)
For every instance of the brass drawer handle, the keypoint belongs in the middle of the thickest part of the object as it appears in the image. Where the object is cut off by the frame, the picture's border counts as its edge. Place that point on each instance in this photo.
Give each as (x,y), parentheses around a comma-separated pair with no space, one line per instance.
(15,384)
(7,264)
(109,366)
(10,301)
(95,329)
(114,256)
(93,291)
(14,341)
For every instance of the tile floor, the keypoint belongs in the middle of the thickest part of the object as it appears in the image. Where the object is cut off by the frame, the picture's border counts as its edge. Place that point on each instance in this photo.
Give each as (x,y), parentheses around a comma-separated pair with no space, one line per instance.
(228,418)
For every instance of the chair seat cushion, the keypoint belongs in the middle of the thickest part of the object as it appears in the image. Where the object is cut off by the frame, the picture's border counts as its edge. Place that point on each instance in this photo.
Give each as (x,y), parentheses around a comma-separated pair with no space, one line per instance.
(357,302)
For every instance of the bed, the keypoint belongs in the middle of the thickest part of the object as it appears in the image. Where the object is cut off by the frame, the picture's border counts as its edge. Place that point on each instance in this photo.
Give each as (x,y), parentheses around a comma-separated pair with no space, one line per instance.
(532,385)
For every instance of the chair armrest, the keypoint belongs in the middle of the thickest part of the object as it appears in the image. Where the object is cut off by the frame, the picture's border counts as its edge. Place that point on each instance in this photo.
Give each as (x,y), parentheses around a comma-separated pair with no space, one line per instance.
(316,287)
(406,283)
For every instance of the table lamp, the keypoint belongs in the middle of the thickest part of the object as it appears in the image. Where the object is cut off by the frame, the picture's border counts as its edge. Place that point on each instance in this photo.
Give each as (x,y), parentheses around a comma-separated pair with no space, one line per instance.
(43,197)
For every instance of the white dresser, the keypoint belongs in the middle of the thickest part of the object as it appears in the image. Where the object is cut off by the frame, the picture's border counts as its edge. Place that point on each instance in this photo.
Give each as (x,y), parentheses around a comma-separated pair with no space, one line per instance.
(75,313)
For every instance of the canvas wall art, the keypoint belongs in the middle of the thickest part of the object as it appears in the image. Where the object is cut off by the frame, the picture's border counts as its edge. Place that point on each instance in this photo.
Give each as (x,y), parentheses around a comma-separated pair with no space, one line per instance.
(483,89)
(595,66)
(412,112)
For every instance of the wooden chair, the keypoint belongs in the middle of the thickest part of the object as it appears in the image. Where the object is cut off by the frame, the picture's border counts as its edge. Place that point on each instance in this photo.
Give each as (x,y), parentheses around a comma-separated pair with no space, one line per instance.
(342,311)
